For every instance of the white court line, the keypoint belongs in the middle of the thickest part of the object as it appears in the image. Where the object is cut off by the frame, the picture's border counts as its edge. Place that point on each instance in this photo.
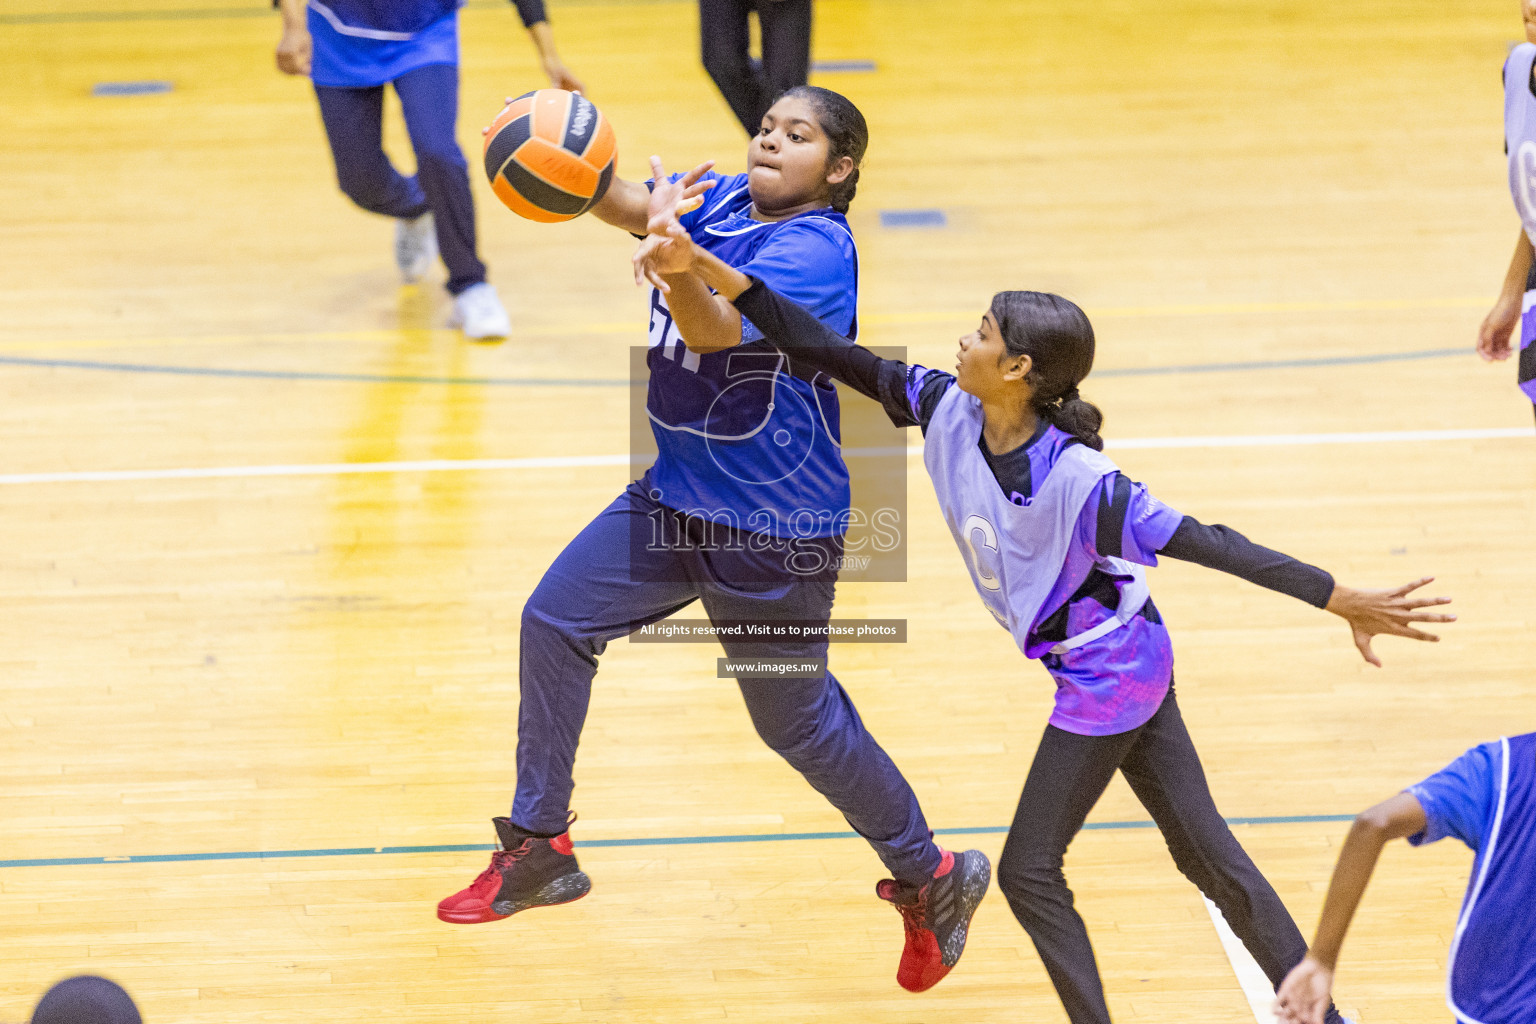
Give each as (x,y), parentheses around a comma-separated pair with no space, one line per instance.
(1261,996)
(1356,437)
(316,469)
(578,461)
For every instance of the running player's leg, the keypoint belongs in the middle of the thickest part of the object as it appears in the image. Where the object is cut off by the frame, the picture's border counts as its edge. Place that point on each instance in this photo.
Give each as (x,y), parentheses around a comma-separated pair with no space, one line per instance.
(602,586)
(607,583)
(813,725)
(724,38)
(1067,778)
(1165,773)
(429,98)
(354,123)
(786,35)
(811,722)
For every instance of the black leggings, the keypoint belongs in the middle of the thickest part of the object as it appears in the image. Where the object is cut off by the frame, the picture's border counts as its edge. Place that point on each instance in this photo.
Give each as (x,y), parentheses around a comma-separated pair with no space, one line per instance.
(786,36)
(1159,761)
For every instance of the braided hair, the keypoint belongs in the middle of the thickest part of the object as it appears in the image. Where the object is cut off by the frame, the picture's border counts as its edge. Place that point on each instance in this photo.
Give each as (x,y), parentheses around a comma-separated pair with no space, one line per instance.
(847,135)
(1056,335)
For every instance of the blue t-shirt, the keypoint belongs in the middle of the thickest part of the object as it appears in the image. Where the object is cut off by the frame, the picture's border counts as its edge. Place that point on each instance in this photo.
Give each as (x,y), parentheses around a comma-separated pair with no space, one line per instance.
(740,437)
(1459,800)
(361,45)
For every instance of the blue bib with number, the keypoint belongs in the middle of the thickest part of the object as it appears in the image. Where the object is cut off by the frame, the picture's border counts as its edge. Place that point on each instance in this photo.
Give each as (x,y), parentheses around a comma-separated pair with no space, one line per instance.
(743,436)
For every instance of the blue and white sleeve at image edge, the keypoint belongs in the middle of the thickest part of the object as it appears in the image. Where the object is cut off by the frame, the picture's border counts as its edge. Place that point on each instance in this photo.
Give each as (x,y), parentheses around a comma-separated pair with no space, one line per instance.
(1459,799)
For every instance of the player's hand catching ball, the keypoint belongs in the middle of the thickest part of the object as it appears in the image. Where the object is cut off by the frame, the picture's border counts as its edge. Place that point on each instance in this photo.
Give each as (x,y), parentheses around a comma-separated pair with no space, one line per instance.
(1370,612)
(671,199)
(667,249)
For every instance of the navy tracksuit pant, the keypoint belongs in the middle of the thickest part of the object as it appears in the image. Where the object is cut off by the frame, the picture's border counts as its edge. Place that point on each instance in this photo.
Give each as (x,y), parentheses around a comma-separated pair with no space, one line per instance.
(611,580)
(429,97)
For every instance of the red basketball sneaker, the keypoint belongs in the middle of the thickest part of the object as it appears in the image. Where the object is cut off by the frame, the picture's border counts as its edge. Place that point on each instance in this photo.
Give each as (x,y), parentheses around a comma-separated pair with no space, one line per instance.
(937,917)
(526,872)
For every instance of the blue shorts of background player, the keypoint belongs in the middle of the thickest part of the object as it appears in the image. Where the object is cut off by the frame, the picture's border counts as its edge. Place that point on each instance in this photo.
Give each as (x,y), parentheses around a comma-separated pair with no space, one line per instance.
(1487,799)
(351,49)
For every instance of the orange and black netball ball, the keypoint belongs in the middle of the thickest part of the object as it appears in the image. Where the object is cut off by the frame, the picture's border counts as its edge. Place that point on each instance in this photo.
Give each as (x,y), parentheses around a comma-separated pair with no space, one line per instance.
(549,155)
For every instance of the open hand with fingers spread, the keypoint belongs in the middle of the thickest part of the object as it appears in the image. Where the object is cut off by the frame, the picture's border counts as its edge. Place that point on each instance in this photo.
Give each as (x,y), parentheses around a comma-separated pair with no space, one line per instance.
(1370,612)
(659,255)
(667,249)
(671,199)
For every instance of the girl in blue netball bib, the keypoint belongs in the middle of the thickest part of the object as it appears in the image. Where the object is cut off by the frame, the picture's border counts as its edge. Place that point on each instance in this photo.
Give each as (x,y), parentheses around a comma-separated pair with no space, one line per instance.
(743,511)
(1516,307)
(1055,539)
(1487,799)
(352,49)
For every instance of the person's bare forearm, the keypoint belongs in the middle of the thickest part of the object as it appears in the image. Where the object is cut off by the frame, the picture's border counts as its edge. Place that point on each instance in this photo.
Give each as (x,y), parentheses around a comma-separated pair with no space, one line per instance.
(718,274)
(293,13)
(624,206)
(544,41)
(1519,267)
(1396,818)
(707,322)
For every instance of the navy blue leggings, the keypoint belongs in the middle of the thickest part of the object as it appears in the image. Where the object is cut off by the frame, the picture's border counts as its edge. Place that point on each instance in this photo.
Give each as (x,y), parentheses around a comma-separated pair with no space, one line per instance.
(354,121)
(608,583)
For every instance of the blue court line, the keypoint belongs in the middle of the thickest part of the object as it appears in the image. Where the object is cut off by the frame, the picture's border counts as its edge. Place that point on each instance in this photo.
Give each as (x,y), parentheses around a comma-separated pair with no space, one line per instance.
(577,382)
(913,219)
(145,88)
(763,837)
(843,66)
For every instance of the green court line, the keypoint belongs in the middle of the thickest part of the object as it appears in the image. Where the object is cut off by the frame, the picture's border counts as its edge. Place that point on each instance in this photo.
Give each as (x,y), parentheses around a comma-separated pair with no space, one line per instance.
(752,837)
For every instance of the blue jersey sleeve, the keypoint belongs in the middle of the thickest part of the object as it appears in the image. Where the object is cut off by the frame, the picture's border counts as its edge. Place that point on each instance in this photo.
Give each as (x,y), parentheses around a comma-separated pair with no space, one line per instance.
(807,263)
(1459,799)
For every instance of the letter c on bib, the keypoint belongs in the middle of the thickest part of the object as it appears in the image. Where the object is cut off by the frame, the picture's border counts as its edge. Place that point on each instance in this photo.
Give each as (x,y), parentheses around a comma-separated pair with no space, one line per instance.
(975,524)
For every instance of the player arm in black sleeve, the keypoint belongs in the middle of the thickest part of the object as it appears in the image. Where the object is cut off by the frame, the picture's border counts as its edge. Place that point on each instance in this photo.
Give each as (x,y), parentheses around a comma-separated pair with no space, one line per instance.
(813,344)
(1224,549)
(786,324)
(1368,611)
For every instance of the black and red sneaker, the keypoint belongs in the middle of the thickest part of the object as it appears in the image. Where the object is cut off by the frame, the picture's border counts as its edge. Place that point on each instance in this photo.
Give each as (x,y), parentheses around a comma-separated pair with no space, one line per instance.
(528,871)
(937,916)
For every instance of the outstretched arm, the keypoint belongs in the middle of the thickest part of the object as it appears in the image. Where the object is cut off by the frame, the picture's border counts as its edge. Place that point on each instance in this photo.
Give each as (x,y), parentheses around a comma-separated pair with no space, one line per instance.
(295,47)
(1368,612)
(1494,334)
(808,342)
(1304,995)
(536,21)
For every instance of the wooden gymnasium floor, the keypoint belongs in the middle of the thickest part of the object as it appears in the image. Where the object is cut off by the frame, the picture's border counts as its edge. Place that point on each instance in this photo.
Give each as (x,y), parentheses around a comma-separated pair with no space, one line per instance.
(1286,220)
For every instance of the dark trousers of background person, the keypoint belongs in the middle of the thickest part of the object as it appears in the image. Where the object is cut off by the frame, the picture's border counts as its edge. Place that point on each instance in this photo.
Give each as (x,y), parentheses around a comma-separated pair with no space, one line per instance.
(615,577)
(786,36)
(429,97)
(1159,761)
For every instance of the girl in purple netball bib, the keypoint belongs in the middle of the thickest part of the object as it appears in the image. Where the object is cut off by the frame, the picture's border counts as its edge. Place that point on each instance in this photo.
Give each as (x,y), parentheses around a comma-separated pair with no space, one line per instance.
(1055,538)
(1516,307)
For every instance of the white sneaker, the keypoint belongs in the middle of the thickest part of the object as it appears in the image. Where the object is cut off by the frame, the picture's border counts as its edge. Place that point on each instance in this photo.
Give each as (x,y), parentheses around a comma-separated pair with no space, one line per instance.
(479,313)
(415,246)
